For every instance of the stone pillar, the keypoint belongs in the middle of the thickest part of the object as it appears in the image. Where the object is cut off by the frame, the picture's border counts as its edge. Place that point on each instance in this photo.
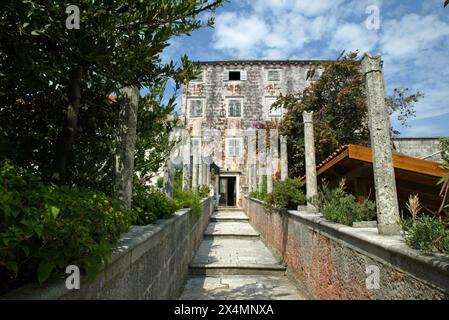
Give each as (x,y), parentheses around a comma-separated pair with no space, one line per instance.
(204,174)
(186,163)
(269,171)
(284,160)
(253,177)
(169,175)
(208,178)
(195,167)
(200,172)
(251,159)
(379,124)
(261,145)
(309,146)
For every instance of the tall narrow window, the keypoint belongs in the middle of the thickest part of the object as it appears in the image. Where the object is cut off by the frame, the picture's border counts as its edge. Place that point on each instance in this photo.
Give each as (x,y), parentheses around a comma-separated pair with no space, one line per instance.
(272,113)
(234,108)
(195,108)
(234,147)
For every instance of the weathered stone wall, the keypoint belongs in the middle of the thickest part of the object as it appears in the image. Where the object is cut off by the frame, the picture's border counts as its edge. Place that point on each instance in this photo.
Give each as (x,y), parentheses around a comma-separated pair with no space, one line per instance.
(149,262)
(330,260)
(214,90)
(418,147)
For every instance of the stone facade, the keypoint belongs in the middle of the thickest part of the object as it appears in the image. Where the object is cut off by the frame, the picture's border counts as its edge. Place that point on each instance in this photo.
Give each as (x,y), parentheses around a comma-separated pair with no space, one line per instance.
(260,82)
(420,147)
(333,261)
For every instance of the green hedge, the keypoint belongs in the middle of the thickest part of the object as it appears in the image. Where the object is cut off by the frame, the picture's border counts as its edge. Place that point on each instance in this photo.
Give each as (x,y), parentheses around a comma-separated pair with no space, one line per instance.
(44,228)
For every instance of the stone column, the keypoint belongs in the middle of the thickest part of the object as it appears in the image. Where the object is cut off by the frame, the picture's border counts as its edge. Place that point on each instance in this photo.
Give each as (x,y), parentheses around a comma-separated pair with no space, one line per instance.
(379,124)
(269,171)
(169,175)
(261,145)
(284,160)
(208,178)
(186,163)
(200,172)
(309,146)
(251,159)
(195,167)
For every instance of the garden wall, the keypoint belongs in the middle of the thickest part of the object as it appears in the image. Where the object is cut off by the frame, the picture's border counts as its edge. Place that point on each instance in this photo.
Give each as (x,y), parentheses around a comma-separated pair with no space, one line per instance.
(149,262)
(330,260)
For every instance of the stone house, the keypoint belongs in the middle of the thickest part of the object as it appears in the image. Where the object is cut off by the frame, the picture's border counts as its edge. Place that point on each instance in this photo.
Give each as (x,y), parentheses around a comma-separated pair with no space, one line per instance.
(225,105)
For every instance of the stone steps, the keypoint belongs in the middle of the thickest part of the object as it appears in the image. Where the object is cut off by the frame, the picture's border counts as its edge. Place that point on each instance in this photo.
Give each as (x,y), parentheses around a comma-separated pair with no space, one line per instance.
(233,263)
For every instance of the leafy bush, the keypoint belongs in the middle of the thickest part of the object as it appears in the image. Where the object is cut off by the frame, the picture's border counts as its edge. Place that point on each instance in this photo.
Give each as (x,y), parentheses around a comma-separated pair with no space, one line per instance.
(427,233)
(424,232)
(339,206)
(203,191)
(150,205)
(261,195)
(44,228)
(189,199)
(286,194)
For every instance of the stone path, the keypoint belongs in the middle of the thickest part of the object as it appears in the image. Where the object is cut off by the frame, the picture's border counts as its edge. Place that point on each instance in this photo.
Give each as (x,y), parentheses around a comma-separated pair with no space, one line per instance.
(233,263)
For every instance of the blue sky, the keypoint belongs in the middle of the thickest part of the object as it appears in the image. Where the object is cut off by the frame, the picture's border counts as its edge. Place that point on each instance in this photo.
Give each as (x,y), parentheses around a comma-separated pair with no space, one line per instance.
(413,39)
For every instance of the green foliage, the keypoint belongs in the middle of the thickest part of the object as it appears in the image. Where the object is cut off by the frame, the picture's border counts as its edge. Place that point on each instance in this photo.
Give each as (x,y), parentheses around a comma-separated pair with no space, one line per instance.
(119,44)
(340,112)
(427,233)
(444,181)
(402,103)
(286,194)
(339,206)
(189,199)
(261,195)
(150,205)
(43,228)
(203,191)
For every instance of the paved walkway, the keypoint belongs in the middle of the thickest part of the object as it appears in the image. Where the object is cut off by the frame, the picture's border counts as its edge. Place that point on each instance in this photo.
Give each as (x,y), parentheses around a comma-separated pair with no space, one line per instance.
(233,263)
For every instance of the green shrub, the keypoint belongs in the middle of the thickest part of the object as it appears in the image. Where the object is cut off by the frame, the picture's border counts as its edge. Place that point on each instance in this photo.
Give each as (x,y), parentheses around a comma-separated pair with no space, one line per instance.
(189,199)
(261,195)
(427,233)
(339,206)
(151,205)
(424,232)
(286,194)
(44,228)
(203,191)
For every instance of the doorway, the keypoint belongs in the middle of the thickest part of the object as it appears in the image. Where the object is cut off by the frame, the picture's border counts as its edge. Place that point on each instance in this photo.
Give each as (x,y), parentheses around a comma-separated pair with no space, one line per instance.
(228,191)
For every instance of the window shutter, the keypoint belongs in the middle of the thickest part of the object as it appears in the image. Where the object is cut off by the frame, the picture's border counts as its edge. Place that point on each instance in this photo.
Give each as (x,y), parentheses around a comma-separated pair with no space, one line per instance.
(230,147)
(238,147)
(226,76)
(243,75)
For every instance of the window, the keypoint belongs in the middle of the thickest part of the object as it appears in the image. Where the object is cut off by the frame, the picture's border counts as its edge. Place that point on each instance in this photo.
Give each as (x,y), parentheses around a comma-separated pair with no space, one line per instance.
(314,74)
(272,112)
(234,108)
(234,147)
(199,77)
(195,108)
(273,75)
(235,75)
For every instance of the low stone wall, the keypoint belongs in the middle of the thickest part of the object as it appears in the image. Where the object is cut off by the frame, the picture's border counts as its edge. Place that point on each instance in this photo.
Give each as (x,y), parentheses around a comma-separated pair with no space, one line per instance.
(332,261)
(149,262)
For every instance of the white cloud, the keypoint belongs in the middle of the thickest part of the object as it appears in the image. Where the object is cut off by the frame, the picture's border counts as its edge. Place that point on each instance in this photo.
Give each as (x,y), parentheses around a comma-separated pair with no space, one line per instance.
(353,36)
(239,33)
(409,36)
